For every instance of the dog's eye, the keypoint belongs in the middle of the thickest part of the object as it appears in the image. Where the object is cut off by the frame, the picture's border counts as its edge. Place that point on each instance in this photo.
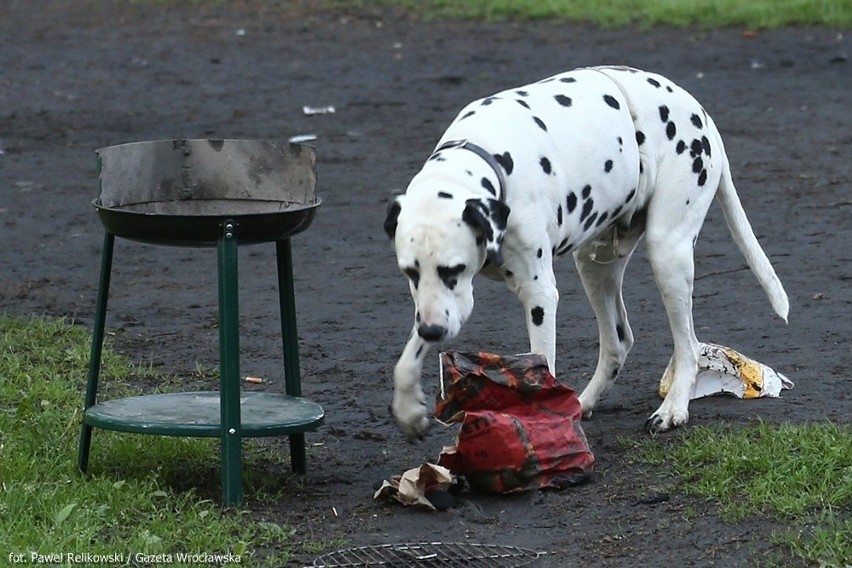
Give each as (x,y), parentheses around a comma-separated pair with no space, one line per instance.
(449,274)
(413,275)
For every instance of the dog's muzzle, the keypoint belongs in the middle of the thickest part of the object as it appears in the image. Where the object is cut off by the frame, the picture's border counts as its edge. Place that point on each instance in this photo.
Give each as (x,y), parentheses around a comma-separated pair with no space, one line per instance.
(432,332)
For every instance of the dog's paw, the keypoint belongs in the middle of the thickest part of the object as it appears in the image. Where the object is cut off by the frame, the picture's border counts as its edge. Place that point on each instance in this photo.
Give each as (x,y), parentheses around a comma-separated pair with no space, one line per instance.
(662,421)
(412,415)
(587,406)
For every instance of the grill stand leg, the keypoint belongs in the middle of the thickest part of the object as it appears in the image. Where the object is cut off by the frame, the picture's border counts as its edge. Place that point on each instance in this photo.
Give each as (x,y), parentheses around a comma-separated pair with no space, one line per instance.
(96,349)
(290,343)
(229,366)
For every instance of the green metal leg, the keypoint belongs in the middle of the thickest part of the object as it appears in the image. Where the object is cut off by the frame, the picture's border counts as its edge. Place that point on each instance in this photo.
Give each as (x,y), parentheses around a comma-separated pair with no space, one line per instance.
(229,366)
(290,340)
(96,349)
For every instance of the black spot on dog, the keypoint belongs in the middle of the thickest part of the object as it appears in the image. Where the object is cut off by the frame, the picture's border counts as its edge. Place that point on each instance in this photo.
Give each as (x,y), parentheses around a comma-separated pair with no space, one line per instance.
(630,195)
(620,141)
(437,157)
(468,114)
(539,253)
(489,187)
(602,218)
(640,137)
(695,148)
(563,100)
(413,275)
(449,274)
(419,352)
(586,191)
(545,165)
(681,146)
(706,145)
(563,248)
(559,215)
(697,165)
(702,178)
(696,121)
(522,103)
(571,202)
(590,221)
(488,101)
(664,113)
(537,314)
(568,80)
(610,100)
(669,89)
(540,123)
(654,82)
(588,205)
(608,166)
(506,161)
(445,195)
(522,93)
(671,130)
(617,211)
(619,330)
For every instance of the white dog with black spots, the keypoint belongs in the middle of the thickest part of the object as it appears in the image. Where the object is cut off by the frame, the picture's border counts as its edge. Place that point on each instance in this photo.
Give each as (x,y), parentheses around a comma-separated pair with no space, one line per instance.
(585,162)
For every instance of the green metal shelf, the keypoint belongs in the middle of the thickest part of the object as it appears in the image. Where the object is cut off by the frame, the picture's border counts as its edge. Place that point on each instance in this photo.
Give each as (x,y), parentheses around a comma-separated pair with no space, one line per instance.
(197,414)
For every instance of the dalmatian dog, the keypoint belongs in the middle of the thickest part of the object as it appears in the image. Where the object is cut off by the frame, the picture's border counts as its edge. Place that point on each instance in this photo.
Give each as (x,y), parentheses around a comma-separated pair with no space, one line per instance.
(584,162)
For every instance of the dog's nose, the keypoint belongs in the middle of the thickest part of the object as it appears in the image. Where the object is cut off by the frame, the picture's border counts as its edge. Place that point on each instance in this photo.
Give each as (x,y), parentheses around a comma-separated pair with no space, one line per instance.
(432,332)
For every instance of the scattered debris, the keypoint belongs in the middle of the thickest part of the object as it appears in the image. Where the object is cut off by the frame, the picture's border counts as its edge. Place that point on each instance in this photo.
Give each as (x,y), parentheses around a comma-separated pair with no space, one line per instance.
(302,138)
(722,370)
(427,486)
(312,110)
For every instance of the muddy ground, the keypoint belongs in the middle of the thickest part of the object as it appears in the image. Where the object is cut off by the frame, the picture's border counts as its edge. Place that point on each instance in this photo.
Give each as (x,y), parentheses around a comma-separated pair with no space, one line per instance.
(75,76)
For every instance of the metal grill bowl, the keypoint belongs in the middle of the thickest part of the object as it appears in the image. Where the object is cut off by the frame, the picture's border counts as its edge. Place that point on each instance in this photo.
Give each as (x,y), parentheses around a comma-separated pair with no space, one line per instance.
(429,554)
(178,192)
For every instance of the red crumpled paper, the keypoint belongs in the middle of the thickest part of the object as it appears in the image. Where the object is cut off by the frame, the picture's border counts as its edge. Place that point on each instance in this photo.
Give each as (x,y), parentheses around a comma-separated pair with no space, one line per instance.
(520,427)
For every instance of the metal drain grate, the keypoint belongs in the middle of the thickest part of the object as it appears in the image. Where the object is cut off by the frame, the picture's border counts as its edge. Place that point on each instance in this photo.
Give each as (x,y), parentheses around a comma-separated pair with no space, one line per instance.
(429,554)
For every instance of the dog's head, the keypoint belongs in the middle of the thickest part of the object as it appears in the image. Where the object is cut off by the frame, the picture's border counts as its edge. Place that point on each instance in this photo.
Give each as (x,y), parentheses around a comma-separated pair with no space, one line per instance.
(440,246)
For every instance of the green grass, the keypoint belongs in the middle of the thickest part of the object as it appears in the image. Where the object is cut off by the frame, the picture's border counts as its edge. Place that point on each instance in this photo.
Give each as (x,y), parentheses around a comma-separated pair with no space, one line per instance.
(798,474)
(613,13)
(130,503)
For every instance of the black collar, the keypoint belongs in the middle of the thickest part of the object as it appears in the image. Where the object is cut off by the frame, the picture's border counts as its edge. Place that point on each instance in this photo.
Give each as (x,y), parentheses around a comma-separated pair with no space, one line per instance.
(482,153)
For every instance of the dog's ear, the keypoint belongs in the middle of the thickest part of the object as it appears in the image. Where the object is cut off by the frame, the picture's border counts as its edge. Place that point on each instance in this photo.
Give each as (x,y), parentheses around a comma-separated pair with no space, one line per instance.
(489,217)
(392,215)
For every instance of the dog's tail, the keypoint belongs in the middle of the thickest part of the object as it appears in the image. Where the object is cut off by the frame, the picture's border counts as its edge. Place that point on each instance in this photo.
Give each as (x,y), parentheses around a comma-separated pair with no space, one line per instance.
(749,246)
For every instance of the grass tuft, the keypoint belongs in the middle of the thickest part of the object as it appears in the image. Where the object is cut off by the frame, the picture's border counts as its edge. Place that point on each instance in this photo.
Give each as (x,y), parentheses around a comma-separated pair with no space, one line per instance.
(140,499)
(799,473)
(614,13)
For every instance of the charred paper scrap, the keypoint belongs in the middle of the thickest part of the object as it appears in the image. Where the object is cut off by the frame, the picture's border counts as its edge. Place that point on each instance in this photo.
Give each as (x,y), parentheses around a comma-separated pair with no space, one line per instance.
(722,370)
(520,427)
(417,485)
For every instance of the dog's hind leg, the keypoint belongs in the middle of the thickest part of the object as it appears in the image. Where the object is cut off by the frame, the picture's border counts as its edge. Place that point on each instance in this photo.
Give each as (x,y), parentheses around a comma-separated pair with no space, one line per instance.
(601,267)
(674,222)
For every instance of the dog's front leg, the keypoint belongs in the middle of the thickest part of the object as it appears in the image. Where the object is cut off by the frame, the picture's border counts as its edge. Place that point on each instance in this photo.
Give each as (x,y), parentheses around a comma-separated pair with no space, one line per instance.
(540,298)
(409,401)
